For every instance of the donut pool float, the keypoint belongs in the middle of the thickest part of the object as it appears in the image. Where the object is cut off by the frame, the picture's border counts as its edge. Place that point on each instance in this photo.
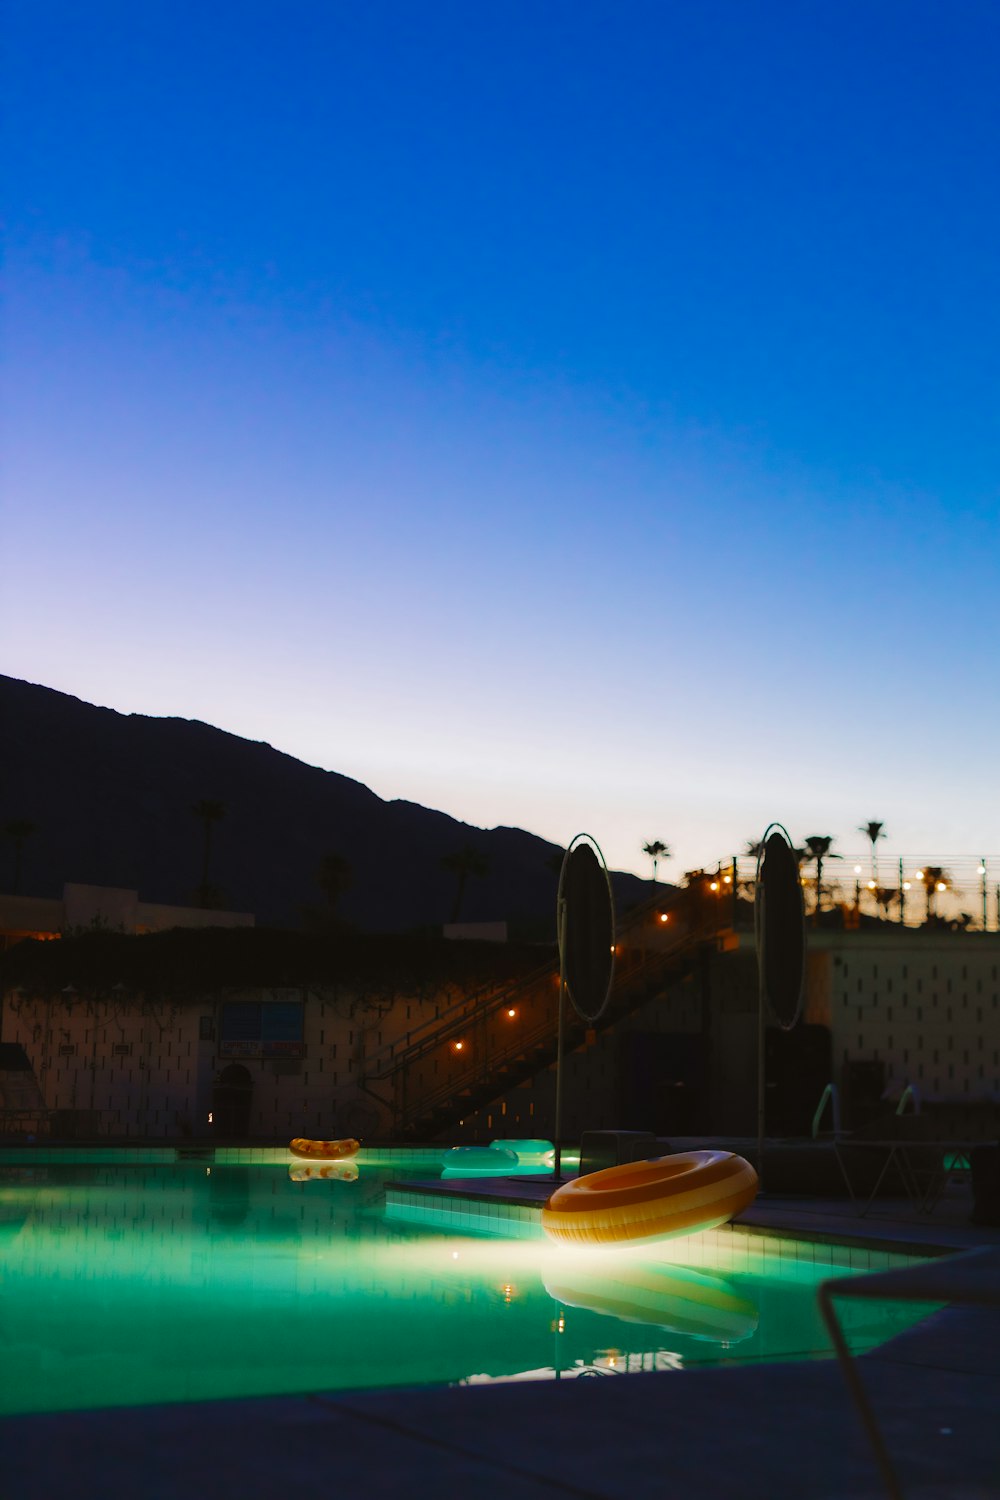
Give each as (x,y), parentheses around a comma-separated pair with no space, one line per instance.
(529,1153)
(651,1200)
(478,1161)
(324,1150)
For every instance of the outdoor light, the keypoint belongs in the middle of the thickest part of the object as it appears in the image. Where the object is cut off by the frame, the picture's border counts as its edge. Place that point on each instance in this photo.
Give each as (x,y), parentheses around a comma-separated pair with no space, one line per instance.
(981,870)
(714,886)
(920,875)
(511,1012)
(727,880)
(941,886)
(871,885)
(457,1046)
(664,916)
(906,885)
(857,869)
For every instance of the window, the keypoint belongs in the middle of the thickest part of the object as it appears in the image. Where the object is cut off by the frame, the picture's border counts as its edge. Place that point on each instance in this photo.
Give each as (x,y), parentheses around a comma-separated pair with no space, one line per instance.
(272,1029)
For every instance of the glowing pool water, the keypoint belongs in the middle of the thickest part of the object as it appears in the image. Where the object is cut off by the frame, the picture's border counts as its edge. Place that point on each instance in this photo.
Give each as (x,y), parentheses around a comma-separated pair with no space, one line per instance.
(131,1285)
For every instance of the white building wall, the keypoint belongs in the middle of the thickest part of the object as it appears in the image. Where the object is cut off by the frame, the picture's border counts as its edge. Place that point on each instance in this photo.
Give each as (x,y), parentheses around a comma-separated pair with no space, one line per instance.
(130,1067)
(928,1008)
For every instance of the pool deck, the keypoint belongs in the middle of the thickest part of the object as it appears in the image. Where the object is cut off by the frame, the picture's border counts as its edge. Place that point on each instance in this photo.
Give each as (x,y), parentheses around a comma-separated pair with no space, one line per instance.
(756,1432)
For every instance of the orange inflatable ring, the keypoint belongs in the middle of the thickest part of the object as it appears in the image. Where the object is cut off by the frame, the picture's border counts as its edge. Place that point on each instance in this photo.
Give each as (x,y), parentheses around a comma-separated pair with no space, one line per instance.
(651,1200)
(324,1150)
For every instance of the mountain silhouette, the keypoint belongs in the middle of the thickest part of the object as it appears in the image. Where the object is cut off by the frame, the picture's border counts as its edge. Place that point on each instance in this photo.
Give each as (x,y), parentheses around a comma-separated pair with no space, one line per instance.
(112,797)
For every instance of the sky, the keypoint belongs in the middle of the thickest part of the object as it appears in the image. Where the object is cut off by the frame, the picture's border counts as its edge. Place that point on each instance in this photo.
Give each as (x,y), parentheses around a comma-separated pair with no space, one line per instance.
(577,416)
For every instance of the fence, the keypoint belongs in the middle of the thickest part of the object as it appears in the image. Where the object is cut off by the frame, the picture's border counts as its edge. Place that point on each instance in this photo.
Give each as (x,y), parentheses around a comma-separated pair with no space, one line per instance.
(961,892)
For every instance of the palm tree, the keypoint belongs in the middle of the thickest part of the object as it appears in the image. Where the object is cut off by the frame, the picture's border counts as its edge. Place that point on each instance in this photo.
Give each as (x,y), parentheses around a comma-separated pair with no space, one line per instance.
(935,879)
(18,829)
(874,832)
(463,863)
(209,812)
(817,849)
(657,850)
(333,878)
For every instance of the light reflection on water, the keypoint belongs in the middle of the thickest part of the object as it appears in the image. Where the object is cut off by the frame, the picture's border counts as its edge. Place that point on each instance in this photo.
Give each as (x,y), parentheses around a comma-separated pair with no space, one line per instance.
(129,1285)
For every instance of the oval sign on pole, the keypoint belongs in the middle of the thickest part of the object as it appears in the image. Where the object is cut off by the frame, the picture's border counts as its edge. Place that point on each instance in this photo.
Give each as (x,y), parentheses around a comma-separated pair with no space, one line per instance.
(586,928)
(779,919)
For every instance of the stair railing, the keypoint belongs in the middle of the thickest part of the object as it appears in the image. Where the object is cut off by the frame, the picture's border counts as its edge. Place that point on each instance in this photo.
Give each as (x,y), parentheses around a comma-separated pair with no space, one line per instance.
(490,1048)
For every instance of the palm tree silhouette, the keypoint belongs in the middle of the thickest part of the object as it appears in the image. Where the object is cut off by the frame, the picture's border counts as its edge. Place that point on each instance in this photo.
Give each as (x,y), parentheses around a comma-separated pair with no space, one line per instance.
(874,832)
(935,879)
(817,849)
(209,812)
(657,850)
(463,863)
(18,829)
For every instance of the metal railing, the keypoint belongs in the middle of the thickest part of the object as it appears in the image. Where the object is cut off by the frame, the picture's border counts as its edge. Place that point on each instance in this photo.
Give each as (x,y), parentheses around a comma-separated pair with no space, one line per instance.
(829,1096)
(483,1042)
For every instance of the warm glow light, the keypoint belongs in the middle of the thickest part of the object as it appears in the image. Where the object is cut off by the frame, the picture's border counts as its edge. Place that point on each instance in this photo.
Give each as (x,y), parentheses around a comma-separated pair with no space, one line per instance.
(511,1012)
(458,1046)
(920,875)
(981,870)
(941,886)
(210,1117)
(664,916)
(713,887)
(871,885)
(727,880)
(857,869)
(906,885)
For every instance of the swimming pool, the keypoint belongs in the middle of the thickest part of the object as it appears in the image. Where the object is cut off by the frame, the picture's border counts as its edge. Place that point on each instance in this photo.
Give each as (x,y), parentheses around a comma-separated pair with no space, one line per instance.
(128,1285)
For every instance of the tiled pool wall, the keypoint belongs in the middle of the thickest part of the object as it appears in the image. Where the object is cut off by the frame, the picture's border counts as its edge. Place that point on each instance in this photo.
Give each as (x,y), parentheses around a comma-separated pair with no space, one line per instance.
(246,1156)
(733,1247)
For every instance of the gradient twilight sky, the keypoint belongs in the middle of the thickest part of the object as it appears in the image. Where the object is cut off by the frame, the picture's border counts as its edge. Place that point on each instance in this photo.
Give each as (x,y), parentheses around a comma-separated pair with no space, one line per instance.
(566,414)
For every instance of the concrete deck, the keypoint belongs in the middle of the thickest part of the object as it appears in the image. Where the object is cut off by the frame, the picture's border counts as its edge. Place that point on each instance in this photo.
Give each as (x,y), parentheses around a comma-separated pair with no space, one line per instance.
(760,1432)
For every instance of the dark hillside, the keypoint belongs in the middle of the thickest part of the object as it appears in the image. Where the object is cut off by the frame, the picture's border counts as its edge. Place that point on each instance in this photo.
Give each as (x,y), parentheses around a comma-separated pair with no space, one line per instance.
(111,797)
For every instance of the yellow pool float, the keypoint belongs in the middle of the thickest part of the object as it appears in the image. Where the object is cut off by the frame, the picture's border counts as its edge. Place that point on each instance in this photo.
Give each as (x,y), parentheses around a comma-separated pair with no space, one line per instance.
(324,1150)
(651,1200)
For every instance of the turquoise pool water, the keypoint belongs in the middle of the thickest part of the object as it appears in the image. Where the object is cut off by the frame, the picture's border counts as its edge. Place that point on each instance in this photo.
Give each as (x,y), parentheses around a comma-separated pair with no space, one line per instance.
(126,1285)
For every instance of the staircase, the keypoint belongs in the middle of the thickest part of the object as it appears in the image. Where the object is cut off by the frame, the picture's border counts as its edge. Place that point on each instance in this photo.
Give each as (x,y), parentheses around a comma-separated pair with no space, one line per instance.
(495,1039)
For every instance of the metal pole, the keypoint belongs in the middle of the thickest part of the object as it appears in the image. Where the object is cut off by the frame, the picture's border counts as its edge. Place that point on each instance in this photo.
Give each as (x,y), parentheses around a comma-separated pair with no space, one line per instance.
(902,896)
(561,923)
(761,1085)
(985,912)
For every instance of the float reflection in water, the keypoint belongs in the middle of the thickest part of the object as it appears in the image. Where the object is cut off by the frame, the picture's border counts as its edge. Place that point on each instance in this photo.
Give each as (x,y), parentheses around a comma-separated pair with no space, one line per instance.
(670,1297)
(331,1171)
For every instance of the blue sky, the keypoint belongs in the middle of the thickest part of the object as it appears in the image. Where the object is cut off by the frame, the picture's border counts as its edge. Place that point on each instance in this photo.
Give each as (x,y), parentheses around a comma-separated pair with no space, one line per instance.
(578,416)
